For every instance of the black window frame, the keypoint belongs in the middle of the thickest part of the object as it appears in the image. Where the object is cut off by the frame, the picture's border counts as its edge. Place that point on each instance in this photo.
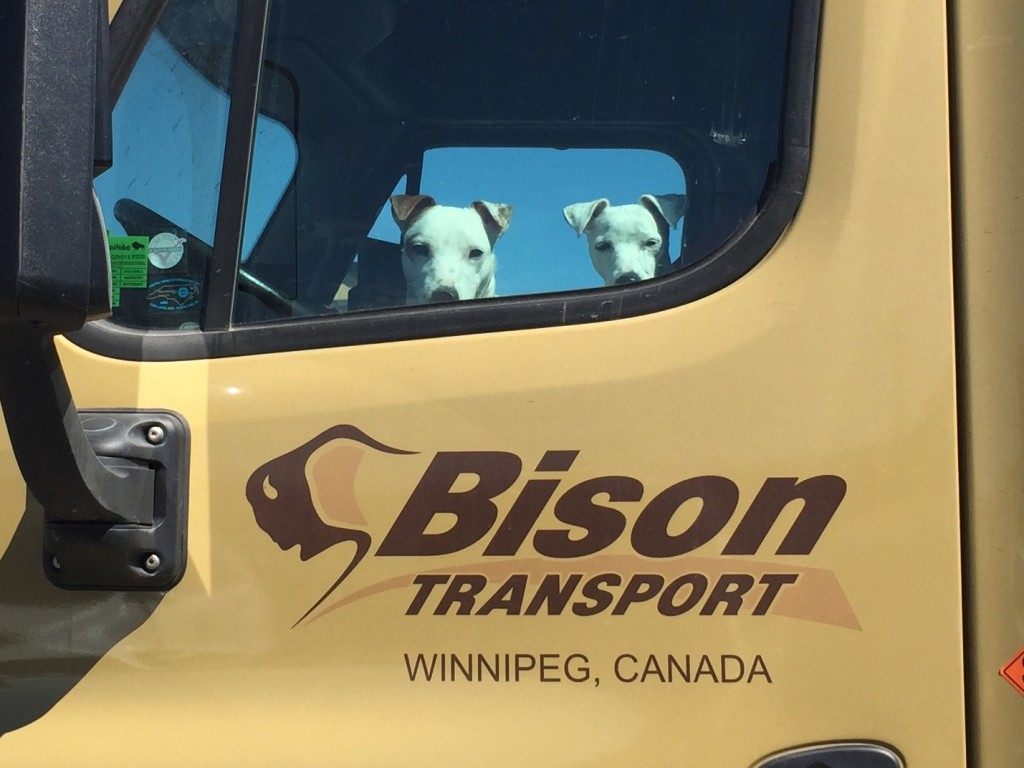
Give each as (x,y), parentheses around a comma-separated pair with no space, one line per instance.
(219,338)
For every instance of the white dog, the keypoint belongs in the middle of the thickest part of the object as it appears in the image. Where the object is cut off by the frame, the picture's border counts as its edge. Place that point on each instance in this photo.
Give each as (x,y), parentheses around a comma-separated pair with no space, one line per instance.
(447,252)
(628,242)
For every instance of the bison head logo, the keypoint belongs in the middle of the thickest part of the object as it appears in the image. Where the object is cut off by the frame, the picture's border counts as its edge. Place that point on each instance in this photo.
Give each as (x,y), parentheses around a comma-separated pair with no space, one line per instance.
(281,499)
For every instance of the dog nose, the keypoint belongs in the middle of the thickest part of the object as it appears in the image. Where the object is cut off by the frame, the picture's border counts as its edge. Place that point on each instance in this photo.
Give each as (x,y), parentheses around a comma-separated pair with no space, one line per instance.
(443,294)
(627,277)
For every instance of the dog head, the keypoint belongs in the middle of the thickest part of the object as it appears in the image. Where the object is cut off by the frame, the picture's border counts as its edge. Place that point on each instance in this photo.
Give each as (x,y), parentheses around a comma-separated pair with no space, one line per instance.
(448,252)
(628,242)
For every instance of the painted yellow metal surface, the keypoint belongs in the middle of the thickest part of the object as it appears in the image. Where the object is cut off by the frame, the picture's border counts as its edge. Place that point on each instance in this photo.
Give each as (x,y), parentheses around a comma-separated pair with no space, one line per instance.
(833,358)
(989,65)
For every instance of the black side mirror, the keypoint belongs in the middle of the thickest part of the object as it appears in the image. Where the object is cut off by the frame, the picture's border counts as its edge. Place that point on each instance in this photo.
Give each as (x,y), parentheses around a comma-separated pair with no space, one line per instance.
(54,131)
(114,494)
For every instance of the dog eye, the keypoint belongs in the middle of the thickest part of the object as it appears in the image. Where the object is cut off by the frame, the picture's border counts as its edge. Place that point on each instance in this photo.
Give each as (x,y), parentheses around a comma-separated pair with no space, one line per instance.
(476,253)
(420,249)
(605,246)
(651,243)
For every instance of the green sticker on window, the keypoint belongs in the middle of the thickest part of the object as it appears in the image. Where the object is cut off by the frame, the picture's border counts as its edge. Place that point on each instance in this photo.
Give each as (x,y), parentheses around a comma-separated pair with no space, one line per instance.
(129,264)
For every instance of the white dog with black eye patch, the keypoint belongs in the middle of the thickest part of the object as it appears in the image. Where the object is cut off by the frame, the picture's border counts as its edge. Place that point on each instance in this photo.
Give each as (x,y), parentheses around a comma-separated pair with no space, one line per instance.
(628,243)
(448,252)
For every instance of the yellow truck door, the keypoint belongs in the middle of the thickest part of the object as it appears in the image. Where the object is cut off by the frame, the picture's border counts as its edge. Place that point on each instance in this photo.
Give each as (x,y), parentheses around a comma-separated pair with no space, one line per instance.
(706,514)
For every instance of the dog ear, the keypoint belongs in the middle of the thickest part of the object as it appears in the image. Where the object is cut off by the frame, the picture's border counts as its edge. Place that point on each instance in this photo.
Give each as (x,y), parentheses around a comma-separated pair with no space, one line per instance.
(670,207)
(496,216)
(406,208)
(579,215)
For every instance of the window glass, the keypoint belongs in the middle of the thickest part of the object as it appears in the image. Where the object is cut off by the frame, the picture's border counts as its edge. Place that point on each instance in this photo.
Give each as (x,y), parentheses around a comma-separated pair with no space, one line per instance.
(510,147)
(160,198)
(649,120)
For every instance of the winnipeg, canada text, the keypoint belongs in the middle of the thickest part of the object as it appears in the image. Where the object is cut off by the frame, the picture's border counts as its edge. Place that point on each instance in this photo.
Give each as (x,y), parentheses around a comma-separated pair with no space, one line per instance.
(629,668)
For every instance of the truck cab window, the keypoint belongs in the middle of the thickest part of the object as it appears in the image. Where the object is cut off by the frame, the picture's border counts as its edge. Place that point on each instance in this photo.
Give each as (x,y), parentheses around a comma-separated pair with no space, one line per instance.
(550,107)
(408,153)
(160,198)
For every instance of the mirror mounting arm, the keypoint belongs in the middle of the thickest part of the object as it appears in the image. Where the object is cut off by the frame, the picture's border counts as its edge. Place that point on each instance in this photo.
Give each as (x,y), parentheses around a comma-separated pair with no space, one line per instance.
(113,485)
(59,464)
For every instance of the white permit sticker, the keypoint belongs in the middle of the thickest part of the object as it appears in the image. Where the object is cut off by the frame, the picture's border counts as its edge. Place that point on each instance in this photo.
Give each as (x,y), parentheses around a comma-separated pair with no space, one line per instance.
(166,250)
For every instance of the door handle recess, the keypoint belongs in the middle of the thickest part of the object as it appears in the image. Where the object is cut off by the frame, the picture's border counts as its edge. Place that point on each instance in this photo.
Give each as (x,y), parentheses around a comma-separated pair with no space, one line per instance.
(851,754)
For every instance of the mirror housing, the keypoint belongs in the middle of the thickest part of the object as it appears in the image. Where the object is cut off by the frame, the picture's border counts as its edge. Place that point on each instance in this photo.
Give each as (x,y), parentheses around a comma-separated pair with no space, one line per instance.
(54,135)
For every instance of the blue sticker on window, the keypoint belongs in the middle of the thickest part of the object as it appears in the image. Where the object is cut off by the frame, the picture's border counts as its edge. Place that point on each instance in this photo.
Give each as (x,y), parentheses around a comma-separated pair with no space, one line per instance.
(174,294)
